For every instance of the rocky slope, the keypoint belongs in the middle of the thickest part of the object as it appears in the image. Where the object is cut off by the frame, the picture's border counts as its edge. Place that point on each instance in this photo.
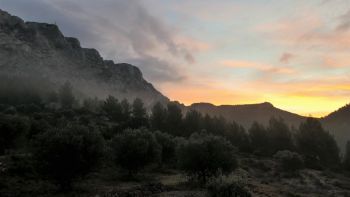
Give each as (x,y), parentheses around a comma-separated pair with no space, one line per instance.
(40,49)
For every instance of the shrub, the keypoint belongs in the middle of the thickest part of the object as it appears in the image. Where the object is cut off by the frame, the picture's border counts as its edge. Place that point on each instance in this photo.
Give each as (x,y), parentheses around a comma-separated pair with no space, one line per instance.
(134,149)
(205,156)
(63,155)
(226,187)
(289,161)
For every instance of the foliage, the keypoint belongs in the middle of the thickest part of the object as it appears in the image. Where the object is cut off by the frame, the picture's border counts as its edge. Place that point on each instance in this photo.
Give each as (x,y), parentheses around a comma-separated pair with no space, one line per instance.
(205,156)
(11,129)
(158,117)
(346,162)
(174,119)
(317,145)
(66,96)
(192,122)
(280,137)
(65,154)
(237,135)
(134,149)
(227,187)
(289,161)
(168,147)
(259,139)
(139,116)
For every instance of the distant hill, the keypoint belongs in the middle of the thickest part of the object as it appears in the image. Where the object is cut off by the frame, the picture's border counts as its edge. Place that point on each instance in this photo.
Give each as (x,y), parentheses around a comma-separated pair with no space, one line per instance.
(40,49)
(338,123)
(247,114)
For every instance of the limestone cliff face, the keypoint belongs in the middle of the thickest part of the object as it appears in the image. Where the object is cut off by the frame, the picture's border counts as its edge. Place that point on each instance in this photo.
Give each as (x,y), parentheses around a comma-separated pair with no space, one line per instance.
(40,49)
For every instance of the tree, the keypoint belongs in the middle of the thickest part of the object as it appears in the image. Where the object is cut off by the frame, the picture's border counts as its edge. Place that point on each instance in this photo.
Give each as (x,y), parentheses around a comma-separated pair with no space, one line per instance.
(205,156)
(134,149)
(66,96)
(280,137)
(168,147)
(317,145)
(139,115)
(346,162)
(192,122)
(158,117)
(259,138)
(63,155)
(126,111)
(113,109)
(174,119)
(237,135)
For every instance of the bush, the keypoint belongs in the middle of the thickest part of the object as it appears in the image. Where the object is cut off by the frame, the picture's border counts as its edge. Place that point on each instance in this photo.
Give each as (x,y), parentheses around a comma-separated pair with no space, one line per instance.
(205,156)
(226,187)
(134,149)
(289,161)
(63,155)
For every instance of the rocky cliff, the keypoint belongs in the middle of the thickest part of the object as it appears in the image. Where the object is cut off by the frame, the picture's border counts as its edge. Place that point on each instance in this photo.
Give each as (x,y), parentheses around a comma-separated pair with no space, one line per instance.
(40,49)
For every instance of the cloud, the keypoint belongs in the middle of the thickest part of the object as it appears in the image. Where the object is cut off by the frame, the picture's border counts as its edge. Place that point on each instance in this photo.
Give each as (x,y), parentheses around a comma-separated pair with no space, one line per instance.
(286,57)
(121,30)
(261,67)
(344,24)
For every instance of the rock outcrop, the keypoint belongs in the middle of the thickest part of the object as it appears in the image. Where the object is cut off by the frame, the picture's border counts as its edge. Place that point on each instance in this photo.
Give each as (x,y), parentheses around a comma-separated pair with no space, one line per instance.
(40,49)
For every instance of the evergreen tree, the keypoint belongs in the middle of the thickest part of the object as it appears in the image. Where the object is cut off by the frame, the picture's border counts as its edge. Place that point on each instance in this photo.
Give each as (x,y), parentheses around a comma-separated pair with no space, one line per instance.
(317,145)
(174,119)
(192,122)
(113,109)
(237,135)
(126,111)
(280,137)
(346,162)
(158,117)
(139,114)
(66,96)
(259,138)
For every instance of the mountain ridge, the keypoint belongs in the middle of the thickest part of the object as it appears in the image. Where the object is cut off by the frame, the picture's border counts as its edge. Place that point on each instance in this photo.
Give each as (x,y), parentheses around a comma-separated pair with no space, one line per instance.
(41,49)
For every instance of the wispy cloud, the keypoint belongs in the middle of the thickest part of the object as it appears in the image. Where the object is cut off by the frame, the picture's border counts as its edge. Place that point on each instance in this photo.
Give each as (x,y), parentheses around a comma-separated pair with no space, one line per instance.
(266,68)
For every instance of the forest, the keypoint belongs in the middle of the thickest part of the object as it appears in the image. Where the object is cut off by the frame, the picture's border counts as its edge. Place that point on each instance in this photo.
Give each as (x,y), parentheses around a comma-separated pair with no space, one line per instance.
(51,140)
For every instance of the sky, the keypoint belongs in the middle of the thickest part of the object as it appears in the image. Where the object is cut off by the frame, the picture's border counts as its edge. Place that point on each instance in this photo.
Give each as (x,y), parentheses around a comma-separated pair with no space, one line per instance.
(294,54)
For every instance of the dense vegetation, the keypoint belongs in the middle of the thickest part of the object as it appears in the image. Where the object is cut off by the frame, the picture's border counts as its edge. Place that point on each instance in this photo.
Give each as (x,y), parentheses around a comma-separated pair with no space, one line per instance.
(61,138)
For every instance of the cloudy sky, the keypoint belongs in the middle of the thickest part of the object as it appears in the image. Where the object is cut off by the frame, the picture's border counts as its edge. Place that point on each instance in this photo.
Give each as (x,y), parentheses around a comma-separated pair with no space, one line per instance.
(292,53)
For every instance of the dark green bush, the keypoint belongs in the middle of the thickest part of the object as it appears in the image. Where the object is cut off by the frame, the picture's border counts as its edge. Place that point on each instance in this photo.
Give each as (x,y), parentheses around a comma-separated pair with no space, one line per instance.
(63,155)
(205,156)
(134,149)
